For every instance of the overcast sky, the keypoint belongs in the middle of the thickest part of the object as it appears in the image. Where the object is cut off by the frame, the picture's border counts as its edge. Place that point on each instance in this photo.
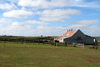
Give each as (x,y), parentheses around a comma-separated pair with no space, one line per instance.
(49,17)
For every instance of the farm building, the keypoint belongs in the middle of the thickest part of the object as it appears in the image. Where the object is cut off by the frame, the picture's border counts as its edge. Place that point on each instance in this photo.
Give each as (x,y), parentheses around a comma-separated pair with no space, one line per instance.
(75,36)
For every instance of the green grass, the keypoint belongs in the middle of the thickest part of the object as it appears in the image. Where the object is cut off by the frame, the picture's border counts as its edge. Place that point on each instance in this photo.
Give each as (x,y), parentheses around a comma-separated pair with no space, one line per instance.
(44,55)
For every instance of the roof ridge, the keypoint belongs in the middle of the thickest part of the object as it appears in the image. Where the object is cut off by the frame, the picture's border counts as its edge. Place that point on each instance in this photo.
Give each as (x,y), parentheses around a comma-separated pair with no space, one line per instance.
(68,34)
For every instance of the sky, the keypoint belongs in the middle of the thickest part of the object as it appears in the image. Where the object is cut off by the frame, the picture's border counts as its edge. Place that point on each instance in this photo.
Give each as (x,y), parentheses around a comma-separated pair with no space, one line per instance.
(49,17)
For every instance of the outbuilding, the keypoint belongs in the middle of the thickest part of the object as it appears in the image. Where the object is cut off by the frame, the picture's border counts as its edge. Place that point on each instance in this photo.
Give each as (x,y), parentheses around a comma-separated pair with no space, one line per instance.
(75,36)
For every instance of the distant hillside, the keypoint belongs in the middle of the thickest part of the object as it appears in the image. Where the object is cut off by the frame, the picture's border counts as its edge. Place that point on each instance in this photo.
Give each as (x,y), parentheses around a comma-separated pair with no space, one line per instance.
(26,39)
(22,37)
(98,38)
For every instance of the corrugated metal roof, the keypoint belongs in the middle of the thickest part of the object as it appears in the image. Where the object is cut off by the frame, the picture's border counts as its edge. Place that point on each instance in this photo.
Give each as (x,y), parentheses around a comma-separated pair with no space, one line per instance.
(67,34)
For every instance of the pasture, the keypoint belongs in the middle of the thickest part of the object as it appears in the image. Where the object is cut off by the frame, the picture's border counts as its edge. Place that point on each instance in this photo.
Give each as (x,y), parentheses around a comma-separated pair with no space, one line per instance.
(13,54)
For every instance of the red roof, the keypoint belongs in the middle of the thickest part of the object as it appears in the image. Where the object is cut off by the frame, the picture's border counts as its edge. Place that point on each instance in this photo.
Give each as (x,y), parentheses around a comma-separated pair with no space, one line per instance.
(68,34)
(58,37)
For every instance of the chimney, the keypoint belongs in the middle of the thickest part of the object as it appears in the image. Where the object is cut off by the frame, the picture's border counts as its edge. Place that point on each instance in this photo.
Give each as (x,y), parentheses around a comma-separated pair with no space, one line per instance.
(71,29)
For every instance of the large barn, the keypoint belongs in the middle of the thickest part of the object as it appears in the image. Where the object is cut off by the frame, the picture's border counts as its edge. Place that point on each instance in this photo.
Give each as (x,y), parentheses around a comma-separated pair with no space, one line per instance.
(75,36)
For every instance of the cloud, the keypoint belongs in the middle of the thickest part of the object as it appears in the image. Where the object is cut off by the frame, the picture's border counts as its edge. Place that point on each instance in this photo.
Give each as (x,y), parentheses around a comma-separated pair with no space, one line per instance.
(88,22)
(50,30)
(83,23)
(36,22)
(18,14)
(41,4)
(27,28)
(44,12)
(30,23)
(7,6)
(17,29)
(58,15)
(3,20)
(91,30)
(89,27)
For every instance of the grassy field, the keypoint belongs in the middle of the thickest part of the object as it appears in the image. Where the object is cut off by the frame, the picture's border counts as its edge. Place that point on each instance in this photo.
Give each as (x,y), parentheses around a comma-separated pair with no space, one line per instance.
(44,55)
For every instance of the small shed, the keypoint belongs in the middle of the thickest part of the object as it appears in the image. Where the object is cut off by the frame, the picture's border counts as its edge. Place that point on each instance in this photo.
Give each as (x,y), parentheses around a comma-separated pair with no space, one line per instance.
(75,36)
